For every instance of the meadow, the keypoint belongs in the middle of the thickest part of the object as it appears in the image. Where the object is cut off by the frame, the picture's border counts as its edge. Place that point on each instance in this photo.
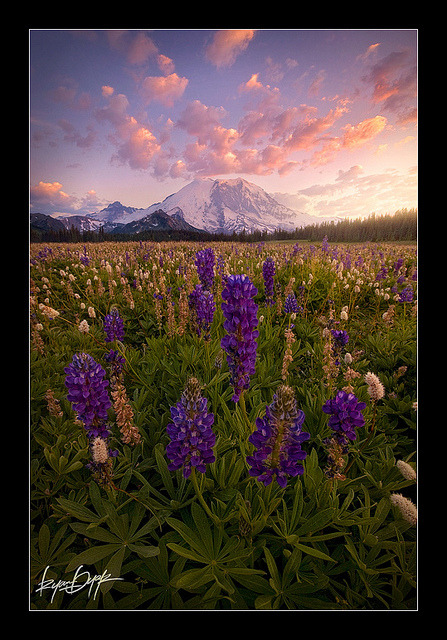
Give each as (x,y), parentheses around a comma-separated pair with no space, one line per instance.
(223,426)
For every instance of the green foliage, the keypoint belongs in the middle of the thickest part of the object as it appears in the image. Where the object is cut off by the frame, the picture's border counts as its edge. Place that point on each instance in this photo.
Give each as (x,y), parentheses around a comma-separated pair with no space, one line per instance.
(222,540)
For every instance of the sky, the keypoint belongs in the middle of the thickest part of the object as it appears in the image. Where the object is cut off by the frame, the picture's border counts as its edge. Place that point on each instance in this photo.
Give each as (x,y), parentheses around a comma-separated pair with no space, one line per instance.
(326,118)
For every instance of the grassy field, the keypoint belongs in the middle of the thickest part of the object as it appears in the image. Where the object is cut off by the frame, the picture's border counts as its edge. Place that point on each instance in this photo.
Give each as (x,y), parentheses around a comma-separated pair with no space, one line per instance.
(259,455)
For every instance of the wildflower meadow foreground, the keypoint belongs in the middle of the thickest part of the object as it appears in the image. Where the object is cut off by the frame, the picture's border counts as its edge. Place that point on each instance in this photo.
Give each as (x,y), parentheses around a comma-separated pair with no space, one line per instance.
(223,426)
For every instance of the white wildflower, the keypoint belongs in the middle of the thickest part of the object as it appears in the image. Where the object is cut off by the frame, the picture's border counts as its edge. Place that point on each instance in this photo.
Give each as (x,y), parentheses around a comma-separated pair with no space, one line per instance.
(406,507)
(375,387)
(406,470)
(100,454)
(83,326)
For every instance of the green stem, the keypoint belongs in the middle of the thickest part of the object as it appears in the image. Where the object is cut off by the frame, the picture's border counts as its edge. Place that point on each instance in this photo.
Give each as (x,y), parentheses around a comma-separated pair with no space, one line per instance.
(214,518)
(368,439)
(244,411)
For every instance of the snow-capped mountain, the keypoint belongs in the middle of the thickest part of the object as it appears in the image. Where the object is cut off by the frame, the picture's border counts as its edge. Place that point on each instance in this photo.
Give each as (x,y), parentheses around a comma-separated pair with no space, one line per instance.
(82,223)
(231,205)
(156,221)
(115,212)
(213,205)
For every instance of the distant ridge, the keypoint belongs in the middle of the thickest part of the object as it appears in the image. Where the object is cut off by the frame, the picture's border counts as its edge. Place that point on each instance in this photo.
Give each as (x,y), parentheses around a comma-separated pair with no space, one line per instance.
(215,206)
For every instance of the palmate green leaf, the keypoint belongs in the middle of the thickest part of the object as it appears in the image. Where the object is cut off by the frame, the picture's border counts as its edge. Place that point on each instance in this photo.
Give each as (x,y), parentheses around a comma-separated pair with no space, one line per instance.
(317,522)
(164,472)
(96,533)
(93,555)
(114,569)
(186,553)
(193,578)
(44,540)
(78,511)
(190,537)
(202,523)
(313,552)
(264,602)
(273,570)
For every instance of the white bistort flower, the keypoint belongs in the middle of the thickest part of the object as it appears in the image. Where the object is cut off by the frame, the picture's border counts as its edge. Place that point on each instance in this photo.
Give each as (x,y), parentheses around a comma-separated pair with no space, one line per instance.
(406,470)
(83,326)
(376,389)
(406,507)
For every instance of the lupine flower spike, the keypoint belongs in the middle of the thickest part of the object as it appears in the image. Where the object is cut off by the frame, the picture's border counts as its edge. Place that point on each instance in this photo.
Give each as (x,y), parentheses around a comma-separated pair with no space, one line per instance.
(201,303)
(346,416)
(192,439)
(87,392)
(278,439)
(121,404)
(268,271)
(241,321)
(113,326)
(204,262)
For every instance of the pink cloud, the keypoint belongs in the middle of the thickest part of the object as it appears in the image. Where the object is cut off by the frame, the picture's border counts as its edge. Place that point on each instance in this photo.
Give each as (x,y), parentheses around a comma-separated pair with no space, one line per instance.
(370,50)
(71,134)
(199,120)
(115,111)
(227,45)
(141,49)
(66,94)
(254,127)
(107,91)
(163,89)
(394,82)
(307,133)
(178,169)
(358,135)
(137,48)
(315,86)
(139,146)
(50,193)
(251,85)
(353,137)
(165,64)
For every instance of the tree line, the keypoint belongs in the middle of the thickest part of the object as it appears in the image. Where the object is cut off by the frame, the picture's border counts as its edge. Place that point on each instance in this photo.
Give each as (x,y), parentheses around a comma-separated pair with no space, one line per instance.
(402,225)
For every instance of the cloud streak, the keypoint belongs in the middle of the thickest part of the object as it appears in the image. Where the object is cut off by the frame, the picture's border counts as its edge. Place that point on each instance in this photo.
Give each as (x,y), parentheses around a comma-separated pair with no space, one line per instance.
(227,45)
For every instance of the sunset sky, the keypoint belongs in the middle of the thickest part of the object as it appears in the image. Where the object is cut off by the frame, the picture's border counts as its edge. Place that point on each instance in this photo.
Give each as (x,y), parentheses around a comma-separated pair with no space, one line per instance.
(328,117)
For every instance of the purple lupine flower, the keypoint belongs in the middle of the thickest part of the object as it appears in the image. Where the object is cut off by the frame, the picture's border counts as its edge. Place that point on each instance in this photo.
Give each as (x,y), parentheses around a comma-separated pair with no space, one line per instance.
(240,311)
(397,265)
(87,392)
(113,326)
(346,415)
(116,362)
(205,267)
(291,304)
(220,265)
(278,439)
(192,439)
(382,274)
(201,301)
(406,295)
(268,271)
(340,337)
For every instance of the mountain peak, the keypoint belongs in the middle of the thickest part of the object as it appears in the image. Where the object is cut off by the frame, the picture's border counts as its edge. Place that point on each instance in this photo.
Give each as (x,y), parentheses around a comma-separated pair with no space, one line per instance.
(227,205)
(213,205)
